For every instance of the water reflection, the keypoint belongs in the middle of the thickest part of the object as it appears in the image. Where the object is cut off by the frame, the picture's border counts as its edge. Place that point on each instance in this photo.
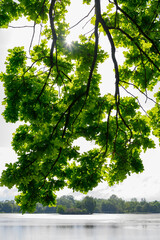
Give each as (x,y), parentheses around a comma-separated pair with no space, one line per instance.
(95,227)
(89,226)
(65,226)
(114,226)
(76,226)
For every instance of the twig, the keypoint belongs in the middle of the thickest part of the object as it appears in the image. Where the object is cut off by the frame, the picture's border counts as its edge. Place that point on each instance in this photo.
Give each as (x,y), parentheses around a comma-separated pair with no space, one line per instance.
(34,28)
(82,19)
(140,91)
(40,34)
(21,26)
(136,99)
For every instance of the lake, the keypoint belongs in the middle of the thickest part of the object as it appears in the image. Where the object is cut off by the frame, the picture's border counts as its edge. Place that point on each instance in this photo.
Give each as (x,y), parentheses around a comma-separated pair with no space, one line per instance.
(76,227)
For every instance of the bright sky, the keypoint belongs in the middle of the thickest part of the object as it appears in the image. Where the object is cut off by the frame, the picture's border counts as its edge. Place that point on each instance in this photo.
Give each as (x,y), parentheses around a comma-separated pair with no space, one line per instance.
(145,185)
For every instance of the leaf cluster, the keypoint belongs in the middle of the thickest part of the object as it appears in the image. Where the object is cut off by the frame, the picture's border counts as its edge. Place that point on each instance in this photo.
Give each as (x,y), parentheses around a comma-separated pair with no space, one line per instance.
(55,93)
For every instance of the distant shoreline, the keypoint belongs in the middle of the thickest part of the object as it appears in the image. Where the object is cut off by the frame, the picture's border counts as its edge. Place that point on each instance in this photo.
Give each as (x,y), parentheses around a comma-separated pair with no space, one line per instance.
(67,205)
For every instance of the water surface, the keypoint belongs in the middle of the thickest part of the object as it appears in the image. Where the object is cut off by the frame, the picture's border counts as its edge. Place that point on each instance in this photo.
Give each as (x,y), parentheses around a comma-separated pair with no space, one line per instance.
(76,227)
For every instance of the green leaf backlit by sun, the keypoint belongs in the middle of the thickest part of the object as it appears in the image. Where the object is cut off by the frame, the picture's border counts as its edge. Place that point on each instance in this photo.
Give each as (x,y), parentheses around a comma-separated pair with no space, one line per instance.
(55,92)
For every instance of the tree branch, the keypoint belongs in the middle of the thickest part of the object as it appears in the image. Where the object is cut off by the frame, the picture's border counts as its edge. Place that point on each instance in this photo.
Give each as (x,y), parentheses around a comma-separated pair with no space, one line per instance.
(113,50)
(140,91)
(51,18)
(134,22)
(81,19)
(140,49)
(107,132)
(34,29)
(136,99)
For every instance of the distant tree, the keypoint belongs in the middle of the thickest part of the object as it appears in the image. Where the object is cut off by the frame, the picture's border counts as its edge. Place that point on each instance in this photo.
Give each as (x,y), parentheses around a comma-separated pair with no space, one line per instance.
(61,209)
(108,207)
(67,201)
(146,207)
(134,200)
(79,204)
(98,205)
(155,207)
(39,208)
(143,200)
(130,206)
(89,204)
(7,207)
(138,208)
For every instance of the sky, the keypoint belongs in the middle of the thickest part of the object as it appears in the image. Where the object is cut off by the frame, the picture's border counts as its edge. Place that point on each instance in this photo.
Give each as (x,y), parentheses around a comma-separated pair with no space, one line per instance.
(144,185)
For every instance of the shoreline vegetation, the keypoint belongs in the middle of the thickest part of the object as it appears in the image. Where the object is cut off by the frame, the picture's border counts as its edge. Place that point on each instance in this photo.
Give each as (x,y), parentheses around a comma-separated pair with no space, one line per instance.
(88,205)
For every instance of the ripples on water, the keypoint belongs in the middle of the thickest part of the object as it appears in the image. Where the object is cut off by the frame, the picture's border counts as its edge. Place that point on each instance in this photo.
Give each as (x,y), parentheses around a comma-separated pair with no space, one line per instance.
(76,227)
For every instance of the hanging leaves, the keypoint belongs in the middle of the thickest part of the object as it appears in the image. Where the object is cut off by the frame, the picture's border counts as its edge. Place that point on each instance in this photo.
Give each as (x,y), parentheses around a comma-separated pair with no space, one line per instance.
(55,93)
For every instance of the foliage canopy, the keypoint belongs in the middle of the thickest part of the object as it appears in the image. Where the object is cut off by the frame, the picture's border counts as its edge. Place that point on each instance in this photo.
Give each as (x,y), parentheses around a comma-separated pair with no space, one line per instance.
(55,92)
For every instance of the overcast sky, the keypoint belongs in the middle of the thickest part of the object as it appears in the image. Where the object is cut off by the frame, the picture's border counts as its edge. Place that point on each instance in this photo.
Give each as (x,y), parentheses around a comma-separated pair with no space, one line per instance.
(144,185)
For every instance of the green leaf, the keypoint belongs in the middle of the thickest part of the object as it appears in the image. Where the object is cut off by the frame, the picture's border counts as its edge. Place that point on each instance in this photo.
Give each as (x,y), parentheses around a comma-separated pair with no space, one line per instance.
(53,90)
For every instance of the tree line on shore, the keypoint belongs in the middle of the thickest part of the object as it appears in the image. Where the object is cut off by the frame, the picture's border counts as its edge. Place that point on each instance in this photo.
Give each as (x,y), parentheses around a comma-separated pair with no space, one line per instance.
(88,205)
